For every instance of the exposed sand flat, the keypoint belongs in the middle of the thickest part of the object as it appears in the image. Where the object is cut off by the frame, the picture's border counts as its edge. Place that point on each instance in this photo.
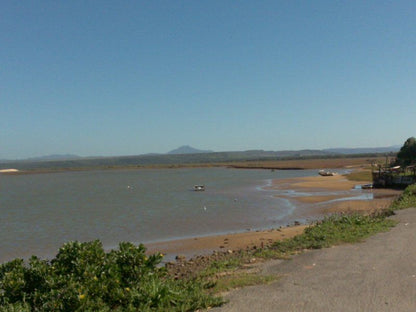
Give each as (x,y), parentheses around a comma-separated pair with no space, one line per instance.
(382,198)
(203,245)
(337,183)
(318,204)
(8,170)
(358,205)
(315,199)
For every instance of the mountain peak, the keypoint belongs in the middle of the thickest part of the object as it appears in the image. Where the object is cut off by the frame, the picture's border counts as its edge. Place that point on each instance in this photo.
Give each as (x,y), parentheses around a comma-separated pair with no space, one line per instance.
(186,149)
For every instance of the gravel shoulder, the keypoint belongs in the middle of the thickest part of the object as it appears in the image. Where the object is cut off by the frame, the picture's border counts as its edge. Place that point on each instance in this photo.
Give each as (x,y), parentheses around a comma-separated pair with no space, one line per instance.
(376,275)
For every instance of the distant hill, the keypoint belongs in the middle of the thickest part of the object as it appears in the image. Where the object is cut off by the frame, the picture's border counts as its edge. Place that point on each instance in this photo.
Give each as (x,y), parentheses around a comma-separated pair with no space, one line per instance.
(185,155)
(54,157)
(363,150)
(186,149)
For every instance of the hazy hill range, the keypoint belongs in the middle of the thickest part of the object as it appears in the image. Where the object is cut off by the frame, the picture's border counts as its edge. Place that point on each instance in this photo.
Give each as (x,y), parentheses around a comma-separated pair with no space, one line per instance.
(55,157)
(184,155)
(364,150)
(186,149)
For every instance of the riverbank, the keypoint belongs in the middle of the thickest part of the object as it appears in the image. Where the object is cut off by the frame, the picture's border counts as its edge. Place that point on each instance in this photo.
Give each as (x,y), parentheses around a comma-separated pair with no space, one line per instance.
(44,167)
(314,196)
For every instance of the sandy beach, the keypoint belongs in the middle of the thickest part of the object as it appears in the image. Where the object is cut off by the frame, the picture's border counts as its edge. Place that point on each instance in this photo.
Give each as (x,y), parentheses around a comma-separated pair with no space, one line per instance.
(337,190)
(335,194)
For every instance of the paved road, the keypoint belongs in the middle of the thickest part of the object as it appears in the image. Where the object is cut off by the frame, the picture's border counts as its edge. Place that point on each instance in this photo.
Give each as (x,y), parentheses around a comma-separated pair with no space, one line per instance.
(377,275)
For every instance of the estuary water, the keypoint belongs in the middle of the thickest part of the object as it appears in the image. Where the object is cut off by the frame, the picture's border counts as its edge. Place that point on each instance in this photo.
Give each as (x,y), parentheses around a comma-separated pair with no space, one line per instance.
(40,212)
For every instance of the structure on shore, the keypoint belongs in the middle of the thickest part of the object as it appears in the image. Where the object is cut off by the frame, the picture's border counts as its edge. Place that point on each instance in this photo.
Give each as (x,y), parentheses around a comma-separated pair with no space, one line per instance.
(393,176)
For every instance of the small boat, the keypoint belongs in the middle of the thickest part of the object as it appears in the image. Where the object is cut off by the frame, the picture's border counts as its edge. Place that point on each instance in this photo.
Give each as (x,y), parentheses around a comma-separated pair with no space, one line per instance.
(367,186)
(326,173)
(199,188)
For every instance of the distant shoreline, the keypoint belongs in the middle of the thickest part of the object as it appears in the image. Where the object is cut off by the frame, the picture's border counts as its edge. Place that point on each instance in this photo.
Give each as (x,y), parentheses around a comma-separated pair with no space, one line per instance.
(280,164)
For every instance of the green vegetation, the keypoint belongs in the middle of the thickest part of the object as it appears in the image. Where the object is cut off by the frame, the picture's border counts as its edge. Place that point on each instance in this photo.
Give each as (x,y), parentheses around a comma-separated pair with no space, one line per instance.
(238,280)
(335,230)
(407,153)
(406,200)
(83,277)
(230,273)
(362,175)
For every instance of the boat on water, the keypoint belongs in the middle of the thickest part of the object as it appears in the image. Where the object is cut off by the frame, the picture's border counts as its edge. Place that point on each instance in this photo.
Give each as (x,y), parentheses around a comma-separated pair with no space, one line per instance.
(199,188)
(367,186)
(327,173)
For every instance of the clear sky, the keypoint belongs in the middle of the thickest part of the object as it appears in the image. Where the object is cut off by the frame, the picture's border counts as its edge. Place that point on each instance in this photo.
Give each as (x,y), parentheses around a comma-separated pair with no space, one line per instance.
(132,77)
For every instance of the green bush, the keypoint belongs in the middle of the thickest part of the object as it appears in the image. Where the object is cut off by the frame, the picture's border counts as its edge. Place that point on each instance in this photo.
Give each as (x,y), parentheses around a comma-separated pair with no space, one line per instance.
(83,277)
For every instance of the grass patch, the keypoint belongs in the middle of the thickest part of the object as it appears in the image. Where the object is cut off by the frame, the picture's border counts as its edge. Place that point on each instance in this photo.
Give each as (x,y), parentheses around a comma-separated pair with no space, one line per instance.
(406,200)
(270,253)
(232,273)
(240,280)
(360,176)
(334,230)
(224,265)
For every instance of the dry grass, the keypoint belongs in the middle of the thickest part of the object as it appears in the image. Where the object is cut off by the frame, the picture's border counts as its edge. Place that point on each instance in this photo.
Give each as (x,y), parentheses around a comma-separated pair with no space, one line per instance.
(353,162)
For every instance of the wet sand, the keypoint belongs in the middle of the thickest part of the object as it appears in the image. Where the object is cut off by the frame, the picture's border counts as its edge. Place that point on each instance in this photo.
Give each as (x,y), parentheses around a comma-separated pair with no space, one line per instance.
(336,189)
(340,194)
(230,242)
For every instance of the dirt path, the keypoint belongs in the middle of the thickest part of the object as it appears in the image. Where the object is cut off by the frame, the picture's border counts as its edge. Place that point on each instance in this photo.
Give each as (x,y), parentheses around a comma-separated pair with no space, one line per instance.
(376,275)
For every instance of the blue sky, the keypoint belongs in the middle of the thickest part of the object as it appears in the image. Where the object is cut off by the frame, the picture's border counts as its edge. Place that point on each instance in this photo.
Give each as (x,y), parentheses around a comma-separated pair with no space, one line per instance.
(133,77)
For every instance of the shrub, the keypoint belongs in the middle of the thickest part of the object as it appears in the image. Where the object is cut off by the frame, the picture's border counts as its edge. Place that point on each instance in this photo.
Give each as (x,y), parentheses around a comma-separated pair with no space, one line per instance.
(83,277)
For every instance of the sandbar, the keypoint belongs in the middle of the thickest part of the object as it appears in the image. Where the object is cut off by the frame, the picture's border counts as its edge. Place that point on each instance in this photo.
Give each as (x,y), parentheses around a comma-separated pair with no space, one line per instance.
(339,196)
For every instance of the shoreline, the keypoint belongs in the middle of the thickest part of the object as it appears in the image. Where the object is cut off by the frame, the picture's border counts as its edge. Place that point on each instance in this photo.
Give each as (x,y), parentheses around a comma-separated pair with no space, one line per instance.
(205,245)
(26,168)
(306,195)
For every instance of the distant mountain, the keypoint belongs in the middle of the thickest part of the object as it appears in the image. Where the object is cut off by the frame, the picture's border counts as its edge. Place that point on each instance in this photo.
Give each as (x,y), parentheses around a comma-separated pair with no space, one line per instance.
(363,150)
(184,155)
(54,157)
(186,149)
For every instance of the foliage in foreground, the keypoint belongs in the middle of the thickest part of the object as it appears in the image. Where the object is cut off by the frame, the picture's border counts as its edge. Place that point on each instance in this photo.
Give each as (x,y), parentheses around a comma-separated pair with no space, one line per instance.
(83,277)
(406,200)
